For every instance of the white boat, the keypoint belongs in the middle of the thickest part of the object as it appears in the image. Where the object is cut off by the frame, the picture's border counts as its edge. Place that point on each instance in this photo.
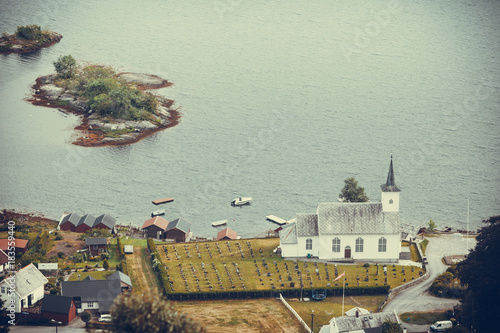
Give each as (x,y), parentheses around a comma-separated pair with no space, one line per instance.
(218,223)
(158,212)
(241,201)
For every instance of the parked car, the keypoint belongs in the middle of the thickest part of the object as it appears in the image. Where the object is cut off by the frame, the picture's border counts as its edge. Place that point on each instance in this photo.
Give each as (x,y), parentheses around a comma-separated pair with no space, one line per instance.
(440,326)
(105,318)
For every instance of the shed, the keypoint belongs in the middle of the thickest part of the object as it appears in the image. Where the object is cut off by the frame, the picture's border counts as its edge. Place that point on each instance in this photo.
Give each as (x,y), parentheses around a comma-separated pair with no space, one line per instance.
(96,245)
(155,227)
(69,222)
(128,249)
(58,308)
(105,221)
(86,223)
(178,230)
(227,234)
(21,245)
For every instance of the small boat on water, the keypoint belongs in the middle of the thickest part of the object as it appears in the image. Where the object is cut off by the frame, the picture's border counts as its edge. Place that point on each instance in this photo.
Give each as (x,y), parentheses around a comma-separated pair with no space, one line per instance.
(219,223)
(241,201)
(158,213)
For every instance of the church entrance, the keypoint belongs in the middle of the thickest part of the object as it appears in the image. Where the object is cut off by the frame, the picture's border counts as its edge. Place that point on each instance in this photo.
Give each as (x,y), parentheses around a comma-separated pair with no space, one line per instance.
(347,252)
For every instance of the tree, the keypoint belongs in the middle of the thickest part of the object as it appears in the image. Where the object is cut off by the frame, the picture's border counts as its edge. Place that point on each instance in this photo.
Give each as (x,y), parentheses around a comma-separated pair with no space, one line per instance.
(479,271)
(352,192)
(86,316)
(148,313)
(65,66)
(390,327)
(432,225)
(105,264)
(4,320)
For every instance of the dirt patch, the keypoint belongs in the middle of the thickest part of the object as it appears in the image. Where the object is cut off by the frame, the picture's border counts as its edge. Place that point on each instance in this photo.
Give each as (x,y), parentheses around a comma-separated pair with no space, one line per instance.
(70,239)
(142,276)
(257,315)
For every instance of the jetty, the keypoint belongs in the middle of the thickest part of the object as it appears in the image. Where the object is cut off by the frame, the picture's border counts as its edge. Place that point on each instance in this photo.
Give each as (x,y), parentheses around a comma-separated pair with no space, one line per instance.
(164,200)
(277,220)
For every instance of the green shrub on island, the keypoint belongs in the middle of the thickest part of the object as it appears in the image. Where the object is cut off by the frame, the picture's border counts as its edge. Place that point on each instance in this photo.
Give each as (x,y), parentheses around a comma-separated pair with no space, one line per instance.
(30,32)
(107,94)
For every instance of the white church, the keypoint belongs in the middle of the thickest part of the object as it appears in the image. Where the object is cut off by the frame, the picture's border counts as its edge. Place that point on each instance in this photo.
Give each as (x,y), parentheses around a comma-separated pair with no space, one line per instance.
(348,231)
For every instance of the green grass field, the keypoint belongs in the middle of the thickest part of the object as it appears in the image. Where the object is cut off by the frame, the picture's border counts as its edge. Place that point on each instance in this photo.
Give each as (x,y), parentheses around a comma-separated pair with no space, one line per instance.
(422,318)
(98,275)
(250,264)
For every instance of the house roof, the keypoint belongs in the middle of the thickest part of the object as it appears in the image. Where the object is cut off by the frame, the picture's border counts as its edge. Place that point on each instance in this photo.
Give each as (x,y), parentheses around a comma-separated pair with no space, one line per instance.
(4,258)
(88,220)
(102,291)
(56,303)
(72,218)
(122,277)
(229,233)
(89,277)
(339,218)
(96,241)
(19,243)
(288,234)
(352,312)
(180,224)
(158,221)
(28,279)
(105,219)
(390,184)
(366,323)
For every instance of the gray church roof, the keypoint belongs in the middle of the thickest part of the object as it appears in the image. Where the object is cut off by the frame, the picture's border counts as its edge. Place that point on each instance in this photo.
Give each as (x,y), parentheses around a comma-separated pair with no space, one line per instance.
(307,225)
(337,218)
(390,184)
(288,235)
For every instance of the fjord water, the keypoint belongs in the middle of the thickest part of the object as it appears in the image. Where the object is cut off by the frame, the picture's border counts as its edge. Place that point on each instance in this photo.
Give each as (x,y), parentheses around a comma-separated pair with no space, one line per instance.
(280,101)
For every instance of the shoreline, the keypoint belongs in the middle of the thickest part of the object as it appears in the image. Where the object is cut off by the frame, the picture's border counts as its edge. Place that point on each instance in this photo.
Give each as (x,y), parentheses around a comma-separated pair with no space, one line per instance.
(95,137)
(22,46)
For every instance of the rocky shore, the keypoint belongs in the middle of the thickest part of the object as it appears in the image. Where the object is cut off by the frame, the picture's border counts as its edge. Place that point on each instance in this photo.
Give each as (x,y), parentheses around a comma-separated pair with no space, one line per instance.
(98,131)
(13,44)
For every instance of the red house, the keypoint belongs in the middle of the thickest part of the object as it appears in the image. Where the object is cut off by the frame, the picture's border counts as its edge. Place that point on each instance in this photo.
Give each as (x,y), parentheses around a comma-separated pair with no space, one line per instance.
(96,246)
(227,234)
(21,245)
(69,222)
(105,222)
(58,308)
(86,223)
(155,227)
(178,230)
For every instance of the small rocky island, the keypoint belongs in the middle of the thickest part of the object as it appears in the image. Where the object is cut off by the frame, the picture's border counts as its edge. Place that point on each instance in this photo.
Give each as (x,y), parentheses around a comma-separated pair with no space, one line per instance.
(116,108)
(28,39)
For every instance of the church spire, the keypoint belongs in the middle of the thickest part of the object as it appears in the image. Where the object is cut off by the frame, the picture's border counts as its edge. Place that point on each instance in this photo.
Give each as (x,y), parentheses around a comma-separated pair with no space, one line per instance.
(390,184)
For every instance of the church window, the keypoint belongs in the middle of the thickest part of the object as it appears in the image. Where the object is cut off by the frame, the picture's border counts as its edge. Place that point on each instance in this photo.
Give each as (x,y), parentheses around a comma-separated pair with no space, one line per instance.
(391,202)
(382,244)
(336,245)
(359,244)
(309,244)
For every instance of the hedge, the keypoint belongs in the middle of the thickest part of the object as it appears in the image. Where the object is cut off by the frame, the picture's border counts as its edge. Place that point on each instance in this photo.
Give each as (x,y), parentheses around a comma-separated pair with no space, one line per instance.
(160,268)
(121,253)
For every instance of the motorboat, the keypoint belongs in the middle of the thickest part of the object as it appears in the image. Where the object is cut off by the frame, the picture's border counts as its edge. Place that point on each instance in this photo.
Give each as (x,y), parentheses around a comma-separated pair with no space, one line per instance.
(219,223)
(158,212)
(241,201)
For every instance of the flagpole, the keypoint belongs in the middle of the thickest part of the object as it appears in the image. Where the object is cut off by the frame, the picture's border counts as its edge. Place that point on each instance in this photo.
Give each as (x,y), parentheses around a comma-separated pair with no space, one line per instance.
(343,293)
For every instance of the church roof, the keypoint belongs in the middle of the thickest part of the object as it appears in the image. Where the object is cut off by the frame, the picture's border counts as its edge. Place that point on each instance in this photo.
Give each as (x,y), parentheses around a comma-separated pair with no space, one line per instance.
(337,218)
(390,184)
(307,224)
(288,234)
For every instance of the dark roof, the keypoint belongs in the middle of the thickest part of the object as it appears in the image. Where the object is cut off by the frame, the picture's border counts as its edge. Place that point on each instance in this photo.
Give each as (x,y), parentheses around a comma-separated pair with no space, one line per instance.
(89,277)
(72,218)
(96,241)
(88,220)
(180,224)
(122,277)
(56,303)
(390,184)
(102,291)
(3,258)
(105,219)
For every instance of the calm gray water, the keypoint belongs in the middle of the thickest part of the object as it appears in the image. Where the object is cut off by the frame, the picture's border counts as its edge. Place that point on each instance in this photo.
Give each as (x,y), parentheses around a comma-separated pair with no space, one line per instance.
(280,101)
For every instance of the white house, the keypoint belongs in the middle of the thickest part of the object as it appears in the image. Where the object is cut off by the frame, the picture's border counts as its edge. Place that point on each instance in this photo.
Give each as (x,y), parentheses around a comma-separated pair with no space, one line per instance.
(29,284)
(357,231)
(360,323)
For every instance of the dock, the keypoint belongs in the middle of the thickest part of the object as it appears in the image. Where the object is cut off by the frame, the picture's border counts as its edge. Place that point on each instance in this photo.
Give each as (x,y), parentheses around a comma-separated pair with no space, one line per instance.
(164,200)
(277,220)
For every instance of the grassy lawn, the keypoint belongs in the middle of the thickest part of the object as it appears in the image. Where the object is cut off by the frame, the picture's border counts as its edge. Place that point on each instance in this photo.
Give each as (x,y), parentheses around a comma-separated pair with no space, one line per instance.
(415,256)
(98,275)
(423,245)
(422,318)
(250,264)
(332,307)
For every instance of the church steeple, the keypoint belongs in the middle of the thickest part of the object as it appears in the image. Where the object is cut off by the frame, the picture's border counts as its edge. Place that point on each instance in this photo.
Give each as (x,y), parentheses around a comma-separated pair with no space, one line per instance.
(390,192)
(390,184)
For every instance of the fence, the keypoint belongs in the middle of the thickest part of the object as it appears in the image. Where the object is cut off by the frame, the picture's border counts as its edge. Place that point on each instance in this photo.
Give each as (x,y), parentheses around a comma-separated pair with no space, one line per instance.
(295,314)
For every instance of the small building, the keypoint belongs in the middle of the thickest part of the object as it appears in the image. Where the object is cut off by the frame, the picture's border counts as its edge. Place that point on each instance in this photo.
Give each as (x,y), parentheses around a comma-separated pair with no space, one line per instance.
(178,230)
(363,323)
(128,249)
(21,245)
(29,285)
(58,308)
(155,227)
(227,234)
(96,246)
(86,223)
(125,282)
(49,269)
(105,221)
(4,262)
(69,222)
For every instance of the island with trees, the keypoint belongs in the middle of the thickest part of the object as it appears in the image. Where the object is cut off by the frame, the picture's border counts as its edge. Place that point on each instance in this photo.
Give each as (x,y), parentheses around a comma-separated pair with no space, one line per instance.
(116,108)
(28,39)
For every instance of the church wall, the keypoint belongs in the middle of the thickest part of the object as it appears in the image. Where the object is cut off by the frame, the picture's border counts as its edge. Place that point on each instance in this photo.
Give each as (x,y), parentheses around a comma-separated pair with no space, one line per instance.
(288,250)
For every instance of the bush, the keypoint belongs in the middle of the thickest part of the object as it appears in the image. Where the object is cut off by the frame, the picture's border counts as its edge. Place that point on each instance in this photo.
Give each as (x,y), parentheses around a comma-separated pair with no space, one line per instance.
(65,66)
(60,254)
(58,237)
(30,32)
(105,264)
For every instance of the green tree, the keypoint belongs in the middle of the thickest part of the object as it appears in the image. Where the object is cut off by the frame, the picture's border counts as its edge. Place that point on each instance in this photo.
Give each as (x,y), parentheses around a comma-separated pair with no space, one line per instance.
(86,316)
(105,264)
(149,313)
(4,320)
(352,192)
(390,327)
(65,66)
(432,225)
(30,32)
(479,271)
